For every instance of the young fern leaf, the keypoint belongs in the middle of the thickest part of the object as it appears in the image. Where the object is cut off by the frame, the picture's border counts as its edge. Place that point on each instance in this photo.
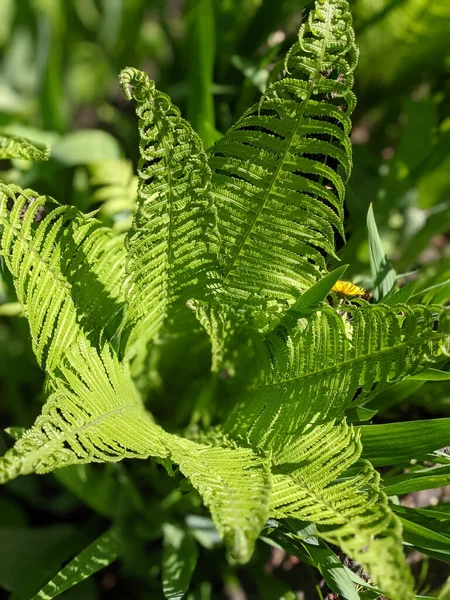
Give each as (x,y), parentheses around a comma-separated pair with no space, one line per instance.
(14,146)
(235,484)
(94,415)
(171,243)
(279,173)
(67,270)
(309,483)
(319,367)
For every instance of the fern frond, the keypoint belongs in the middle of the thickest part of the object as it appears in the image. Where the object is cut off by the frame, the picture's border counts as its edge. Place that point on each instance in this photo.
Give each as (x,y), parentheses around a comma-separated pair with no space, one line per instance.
(279,173)
(14,146)
(319,367)
(235,484)
(67,270)
(309,483)
(171,243)
(94,415)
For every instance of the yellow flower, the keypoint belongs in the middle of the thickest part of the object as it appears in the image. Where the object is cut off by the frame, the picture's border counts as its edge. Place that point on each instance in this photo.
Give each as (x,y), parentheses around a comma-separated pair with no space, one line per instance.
(346,288)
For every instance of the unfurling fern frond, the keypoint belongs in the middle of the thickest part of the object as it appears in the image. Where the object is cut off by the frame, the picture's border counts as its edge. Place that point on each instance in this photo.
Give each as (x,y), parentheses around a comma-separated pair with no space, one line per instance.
(279,173)
(67,270)
(319,367)
(14,146)
(171,243)
(310,483)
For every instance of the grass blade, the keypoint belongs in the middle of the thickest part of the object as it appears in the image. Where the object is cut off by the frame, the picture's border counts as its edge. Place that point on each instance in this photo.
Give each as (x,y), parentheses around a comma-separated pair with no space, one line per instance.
(102,552)
(201,52)
(383,273)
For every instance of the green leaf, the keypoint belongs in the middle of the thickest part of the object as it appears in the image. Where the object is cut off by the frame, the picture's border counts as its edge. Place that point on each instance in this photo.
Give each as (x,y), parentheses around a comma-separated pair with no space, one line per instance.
(180,556)
(107,491)
(279,201)
(325,364)
(86,146)
(11,309)
(332,570)
(425,539)
(383,274)
(115,190)
(172,242)
(12,146)
(204,531)
(402,295)
(417,480)
(395,394)
(311,298)
(67,270)
(431,375)
(200,36)
(310,484)
(296,542)
(102,552)
(391,443)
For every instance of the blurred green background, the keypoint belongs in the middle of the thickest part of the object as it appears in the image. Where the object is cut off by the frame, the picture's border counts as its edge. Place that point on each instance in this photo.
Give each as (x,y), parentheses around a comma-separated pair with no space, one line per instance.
(59,62)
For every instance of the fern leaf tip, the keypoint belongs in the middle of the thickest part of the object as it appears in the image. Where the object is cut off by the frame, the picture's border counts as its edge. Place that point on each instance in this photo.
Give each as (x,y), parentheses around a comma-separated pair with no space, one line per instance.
(135,84)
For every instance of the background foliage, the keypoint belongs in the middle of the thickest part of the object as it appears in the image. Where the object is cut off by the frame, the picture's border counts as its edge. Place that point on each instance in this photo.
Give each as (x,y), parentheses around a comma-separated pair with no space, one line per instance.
(58,86)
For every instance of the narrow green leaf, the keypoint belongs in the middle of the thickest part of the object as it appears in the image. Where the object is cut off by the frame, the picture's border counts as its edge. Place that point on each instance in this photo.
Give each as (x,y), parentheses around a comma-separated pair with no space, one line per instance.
(431,375)
(391,443)
(382,272)
(394,394)
(402,295)
(332,570)
(180,555)
(200,36)
(358,414)
(102,552)
(309,300)
(426,539)
(424,479)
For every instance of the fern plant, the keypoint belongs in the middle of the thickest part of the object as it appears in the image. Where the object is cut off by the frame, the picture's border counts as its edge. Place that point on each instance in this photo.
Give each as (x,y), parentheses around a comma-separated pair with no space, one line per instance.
(227,252)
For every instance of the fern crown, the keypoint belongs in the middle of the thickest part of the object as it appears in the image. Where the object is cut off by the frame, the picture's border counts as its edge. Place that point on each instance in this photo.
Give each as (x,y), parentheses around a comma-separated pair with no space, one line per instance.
(222,248)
